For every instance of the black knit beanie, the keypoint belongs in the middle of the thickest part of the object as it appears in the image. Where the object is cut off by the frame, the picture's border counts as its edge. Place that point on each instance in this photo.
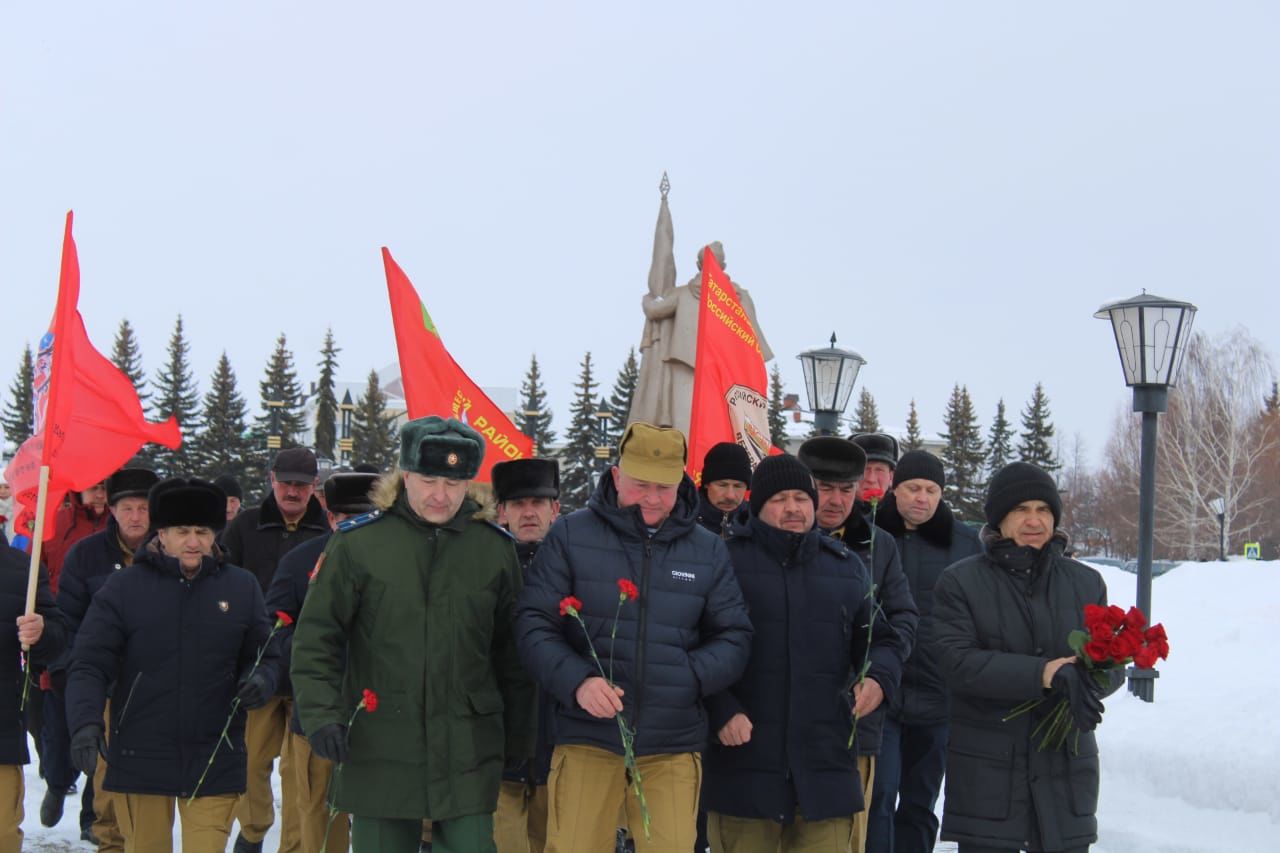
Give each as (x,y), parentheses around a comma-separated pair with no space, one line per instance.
(919,465)
(777,474)
(1018,482)
(726,461)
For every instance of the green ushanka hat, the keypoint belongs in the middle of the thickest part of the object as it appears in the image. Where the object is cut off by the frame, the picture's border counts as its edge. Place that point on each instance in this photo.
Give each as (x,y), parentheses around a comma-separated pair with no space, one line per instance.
(435,447)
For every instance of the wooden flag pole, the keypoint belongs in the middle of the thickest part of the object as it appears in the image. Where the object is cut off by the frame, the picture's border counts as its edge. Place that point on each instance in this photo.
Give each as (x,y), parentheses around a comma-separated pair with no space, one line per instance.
(37,540)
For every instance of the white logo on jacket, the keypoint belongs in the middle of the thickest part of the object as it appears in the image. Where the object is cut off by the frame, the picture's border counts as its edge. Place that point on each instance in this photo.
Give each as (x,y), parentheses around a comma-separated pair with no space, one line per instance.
(688,577)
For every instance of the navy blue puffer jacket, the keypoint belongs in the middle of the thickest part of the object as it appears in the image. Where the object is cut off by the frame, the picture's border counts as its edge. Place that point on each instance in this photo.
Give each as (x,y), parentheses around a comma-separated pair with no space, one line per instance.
(177,649)
(810,604)
(686,637)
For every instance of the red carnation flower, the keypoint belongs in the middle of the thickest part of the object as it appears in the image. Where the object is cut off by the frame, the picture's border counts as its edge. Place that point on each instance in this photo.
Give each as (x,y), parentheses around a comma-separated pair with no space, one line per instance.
(283,620)
(370,701)
(1135,619)
(872,494)
(1145,657)
(570,606)
(627,589)
(1156,638)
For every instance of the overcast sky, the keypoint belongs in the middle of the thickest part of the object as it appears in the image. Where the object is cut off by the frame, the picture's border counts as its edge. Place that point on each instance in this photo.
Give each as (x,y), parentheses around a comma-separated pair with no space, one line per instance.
(953,189)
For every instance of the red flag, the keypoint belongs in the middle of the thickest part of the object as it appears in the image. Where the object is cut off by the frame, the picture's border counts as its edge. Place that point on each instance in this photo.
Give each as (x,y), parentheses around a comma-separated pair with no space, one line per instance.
(730,402)
(88,420)
(434,384)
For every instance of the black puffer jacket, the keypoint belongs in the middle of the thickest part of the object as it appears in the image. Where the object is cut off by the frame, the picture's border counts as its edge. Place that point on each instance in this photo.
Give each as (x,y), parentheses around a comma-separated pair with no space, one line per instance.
(998,618)
(925,552)
(178,649)
(88,565)
(894,603)
(257,538)
(717,520)
(286,593)
(14,570)
(810,607)
(536,770)
(686,637)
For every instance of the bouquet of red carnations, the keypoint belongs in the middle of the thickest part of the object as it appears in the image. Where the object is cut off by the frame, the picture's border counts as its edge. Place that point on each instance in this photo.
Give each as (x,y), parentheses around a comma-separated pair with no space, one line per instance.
(1112,639)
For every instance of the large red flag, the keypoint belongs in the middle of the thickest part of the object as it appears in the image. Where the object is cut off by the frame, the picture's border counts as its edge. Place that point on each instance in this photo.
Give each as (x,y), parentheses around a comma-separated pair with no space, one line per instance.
(730,400)
(434,384)
(88,420)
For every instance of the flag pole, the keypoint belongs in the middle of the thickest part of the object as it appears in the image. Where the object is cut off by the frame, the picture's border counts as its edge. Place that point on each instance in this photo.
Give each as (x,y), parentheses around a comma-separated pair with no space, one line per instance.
(37,540)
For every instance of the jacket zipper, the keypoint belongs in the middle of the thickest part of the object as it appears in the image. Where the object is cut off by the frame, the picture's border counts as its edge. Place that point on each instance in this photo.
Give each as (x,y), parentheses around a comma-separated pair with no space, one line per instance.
(128,699)
(786,714)
(640,633)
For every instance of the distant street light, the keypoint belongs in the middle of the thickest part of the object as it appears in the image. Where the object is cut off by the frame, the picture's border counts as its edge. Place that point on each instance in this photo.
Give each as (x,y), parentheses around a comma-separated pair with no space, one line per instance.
(1151,335)
(345,443)
(829,374)
(274,406)
(1219,507)
(604,450)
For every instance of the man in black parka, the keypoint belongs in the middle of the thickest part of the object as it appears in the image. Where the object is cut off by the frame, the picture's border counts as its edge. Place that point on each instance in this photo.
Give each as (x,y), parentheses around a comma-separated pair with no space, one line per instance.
(45,633)
(838,465)
(685,637)
(726,471)
(88,565)
(780,773)
(256,539)
(528,495)
(178,633)
(1000,626)
(913,753)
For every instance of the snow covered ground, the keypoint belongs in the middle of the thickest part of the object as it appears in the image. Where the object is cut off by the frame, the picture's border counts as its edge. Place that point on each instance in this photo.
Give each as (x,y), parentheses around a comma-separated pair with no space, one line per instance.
(1197,771)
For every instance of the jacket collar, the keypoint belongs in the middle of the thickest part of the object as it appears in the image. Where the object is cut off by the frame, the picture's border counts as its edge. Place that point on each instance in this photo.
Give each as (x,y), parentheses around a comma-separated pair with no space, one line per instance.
(269,514)
(1021,560)
(936,531)
(149,554)
(629,523)
(786,547)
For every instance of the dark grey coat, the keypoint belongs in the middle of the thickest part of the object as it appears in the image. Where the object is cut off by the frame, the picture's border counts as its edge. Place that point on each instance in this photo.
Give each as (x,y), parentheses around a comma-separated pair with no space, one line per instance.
(998,618)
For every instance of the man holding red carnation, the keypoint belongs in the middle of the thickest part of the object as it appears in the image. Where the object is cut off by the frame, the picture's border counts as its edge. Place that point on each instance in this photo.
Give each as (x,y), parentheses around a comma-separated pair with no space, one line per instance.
(685,637)
(1001,625)
(414,601)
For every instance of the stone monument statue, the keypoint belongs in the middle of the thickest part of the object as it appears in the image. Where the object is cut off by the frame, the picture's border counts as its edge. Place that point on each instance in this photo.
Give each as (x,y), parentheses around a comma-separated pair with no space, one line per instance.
(668,346)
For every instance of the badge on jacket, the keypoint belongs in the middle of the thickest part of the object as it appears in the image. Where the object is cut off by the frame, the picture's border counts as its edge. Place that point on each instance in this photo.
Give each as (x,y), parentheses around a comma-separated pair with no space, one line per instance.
(224,606)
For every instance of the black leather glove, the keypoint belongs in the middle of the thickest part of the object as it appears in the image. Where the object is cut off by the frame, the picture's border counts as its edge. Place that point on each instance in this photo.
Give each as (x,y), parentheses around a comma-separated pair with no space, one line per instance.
(1081,692)
(86,745)
(330,742)
(254,691)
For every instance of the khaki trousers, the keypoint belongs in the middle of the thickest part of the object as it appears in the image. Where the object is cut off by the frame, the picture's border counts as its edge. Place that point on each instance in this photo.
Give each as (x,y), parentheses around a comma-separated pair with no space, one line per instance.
(12,792)
(743,835)
(866,775)
(311,774)
(147,822)
(266,738)
(106,827)
(520,823)
(588,785)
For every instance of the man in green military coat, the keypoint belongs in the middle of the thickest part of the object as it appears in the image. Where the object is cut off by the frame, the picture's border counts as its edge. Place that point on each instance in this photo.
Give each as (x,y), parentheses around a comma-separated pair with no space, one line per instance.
(414,602)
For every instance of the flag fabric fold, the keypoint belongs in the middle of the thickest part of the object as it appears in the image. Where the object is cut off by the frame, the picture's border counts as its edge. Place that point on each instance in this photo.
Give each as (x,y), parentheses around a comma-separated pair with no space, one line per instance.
(433,382)
(88,419)
(730,397)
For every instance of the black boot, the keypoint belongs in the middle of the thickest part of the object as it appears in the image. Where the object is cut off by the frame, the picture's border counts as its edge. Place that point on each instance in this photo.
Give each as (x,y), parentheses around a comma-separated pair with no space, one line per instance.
(51,806)
(245,846)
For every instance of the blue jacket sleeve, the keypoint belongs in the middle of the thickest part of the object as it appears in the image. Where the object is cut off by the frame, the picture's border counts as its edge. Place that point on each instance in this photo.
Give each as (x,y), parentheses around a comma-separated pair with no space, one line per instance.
(95,660)
(721,657)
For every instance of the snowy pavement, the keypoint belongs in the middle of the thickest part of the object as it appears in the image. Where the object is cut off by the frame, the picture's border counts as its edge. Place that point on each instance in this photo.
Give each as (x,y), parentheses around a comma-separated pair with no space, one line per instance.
(1197,771)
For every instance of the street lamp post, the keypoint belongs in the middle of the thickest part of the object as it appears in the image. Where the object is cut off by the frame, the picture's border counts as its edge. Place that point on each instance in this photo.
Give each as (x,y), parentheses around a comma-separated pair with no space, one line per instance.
(273,409)
(1219,507)
(1151,335)
(829,374)
(346,444)
(604,451)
